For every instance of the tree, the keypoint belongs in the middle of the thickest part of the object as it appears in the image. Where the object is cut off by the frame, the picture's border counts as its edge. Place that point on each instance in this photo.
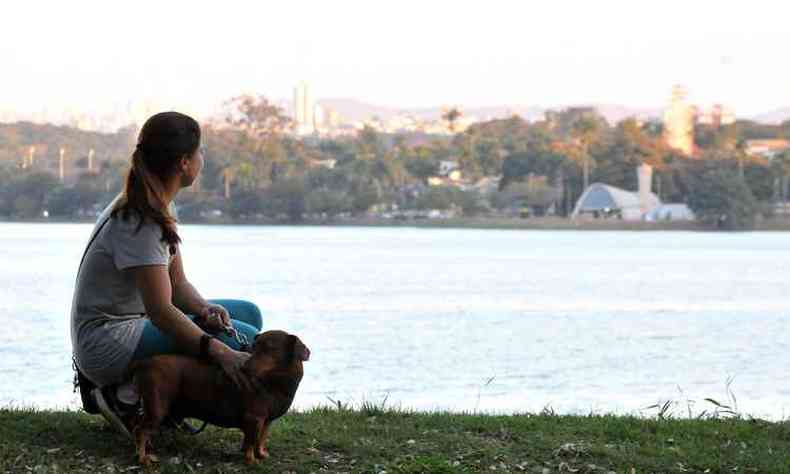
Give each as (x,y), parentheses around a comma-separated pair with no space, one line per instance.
(759,177)
(422,168)
(286,197)
(256,116)
(470,202)
(721,199)
(246,203)
(451,116)
(585,130)
(327,202)
(536,161)
(535,192)
(436,197)
(27,194)
(780,168)
(253,143)
(364,195)
(627,147)
(369,143)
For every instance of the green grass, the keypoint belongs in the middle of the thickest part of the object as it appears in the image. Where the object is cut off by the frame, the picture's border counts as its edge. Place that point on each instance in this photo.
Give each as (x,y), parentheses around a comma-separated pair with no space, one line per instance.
(378,439)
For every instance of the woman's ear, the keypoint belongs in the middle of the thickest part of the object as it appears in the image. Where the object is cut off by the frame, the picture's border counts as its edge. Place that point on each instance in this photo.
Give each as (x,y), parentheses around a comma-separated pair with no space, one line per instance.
(184,163)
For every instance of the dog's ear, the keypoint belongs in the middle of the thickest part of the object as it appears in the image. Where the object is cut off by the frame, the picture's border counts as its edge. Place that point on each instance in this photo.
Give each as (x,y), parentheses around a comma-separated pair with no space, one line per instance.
(299,349)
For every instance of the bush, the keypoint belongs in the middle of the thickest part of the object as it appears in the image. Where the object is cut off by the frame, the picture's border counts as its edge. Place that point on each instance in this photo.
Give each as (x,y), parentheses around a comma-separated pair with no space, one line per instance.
(25,194)
(436,197)
(326,202)
(286,197)
(470,202)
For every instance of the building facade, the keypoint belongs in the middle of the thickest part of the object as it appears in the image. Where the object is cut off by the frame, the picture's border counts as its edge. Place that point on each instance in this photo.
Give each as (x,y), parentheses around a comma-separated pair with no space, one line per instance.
(679,122)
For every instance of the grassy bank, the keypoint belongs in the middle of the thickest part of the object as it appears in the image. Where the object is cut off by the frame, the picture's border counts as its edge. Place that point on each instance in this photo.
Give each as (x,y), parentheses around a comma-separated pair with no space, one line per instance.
(375,440)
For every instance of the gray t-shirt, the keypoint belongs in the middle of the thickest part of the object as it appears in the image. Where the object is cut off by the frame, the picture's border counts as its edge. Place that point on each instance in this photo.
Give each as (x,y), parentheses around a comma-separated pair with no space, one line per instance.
(107,312)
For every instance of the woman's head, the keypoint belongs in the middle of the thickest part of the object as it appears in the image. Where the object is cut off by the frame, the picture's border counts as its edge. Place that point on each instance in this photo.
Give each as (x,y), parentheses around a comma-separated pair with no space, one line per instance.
(168,147)
(167,156)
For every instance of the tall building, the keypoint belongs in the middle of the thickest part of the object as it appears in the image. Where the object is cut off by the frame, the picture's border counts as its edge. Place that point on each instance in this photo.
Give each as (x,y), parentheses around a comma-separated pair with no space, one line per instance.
(319,117)
(716,116)
(679,122)
(303,109)
(332,118)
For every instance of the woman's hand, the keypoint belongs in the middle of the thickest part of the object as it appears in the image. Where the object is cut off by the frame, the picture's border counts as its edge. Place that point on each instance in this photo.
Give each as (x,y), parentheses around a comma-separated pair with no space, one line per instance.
(214,318)
(232,363)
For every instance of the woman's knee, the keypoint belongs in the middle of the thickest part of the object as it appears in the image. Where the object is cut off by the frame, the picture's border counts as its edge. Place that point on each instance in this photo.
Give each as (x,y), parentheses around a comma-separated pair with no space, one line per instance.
(241,310)
(153,342)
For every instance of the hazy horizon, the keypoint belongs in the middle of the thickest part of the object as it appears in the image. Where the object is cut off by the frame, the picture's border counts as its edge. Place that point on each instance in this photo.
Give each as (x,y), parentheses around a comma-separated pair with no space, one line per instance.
(94,56)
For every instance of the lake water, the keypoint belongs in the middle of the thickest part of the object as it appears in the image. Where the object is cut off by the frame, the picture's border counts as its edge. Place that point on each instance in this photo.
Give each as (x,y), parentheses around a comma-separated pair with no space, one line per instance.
(465,320)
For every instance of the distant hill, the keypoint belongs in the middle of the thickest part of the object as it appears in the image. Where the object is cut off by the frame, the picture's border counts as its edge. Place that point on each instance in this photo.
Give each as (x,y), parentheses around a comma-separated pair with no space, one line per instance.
(353,109)
(774,117)
(16,139)
(615,113)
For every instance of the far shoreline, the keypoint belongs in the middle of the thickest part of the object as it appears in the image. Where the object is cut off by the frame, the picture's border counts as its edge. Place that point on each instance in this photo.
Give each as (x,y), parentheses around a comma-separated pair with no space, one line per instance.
(479,223)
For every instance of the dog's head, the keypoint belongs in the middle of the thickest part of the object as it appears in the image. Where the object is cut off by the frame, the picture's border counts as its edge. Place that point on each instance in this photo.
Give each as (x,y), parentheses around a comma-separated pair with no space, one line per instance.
(277,350)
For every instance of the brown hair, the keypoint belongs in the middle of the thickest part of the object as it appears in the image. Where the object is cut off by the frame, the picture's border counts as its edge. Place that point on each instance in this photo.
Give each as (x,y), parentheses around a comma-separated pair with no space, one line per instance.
(164,139)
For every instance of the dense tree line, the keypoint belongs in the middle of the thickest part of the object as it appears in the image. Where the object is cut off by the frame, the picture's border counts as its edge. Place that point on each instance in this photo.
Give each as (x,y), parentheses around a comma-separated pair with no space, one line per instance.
(254,168)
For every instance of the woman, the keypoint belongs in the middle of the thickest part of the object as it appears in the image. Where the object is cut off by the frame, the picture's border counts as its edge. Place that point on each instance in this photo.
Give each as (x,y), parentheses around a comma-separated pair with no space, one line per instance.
(132,299)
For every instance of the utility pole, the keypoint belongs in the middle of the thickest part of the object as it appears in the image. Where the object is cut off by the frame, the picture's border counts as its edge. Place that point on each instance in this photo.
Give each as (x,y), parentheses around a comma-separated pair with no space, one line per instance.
(90,160)
(227,183)
(62,168)
(586,159)
(31,155)
(658,186)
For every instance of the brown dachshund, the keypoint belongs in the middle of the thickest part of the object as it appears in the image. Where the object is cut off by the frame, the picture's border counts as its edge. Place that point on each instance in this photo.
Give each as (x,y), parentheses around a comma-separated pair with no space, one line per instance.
(185,387)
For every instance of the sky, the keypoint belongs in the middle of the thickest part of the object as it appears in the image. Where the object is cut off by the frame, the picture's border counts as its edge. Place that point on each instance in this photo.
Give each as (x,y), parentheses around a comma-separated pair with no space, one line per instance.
(88,55)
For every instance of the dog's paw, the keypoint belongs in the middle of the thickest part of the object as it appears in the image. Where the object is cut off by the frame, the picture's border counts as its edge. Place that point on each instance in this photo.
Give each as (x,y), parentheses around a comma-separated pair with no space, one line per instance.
(149,459)
(251,460)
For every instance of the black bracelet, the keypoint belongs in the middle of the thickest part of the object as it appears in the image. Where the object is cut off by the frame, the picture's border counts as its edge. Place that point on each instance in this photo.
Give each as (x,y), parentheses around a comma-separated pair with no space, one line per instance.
(204,341)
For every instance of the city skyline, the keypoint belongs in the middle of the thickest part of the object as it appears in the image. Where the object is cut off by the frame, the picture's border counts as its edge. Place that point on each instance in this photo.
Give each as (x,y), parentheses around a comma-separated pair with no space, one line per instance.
(415,55)
(327,116)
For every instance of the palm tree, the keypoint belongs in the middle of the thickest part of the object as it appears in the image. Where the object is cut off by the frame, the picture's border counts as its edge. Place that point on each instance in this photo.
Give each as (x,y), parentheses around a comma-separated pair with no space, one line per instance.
(584,131)
(451,116)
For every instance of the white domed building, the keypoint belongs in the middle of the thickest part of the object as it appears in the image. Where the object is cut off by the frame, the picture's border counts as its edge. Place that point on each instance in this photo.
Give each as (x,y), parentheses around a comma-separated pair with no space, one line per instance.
(600,201)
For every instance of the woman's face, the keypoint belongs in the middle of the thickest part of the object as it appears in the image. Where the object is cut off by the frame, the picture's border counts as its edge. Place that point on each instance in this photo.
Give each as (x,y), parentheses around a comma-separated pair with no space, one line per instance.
(191,167)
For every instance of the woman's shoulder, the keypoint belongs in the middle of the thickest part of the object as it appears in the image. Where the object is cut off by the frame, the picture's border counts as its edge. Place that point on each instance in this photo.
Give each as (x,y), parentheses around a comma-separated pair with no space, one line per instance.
(127,222)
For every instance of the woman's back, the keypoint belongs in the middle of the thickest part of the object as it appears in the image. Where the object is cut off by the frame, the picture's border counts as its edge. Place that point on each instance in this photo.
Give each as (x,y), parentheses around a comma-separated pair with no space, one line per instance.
(107,309)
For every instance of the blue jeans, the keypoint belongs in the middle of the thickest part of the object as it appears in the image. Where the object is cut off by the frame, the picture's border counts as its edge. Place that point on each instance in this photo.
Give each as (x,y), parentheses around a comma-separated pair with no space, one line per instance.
(245,317)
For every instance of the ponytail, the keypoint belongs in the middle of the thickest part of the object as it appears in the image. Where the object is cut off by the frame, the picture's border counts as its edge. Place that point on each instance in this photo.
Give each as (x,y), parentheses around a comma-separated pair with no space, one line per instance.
(143,188)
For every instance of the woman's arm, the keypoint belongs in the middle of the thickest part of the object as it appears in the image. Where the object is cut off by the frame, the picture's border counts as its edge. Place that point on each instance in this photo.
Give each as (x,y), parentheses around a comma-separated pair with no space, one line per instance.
(153,281)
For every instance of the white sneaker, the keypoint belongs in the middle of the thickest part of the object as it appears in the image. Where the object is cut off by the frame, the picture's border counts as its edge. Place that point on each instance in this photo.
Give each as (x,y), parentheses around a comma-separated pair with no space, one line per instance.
(127,393)
(107,409)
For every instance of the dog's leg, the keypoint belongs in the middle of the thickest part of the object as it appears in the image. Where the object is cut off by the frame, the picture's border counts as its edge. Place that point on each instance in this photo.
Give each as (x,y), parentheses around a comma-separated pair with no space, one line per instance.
(143,433)
(252,428)
(263,438)
(155,407)
(143,438)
